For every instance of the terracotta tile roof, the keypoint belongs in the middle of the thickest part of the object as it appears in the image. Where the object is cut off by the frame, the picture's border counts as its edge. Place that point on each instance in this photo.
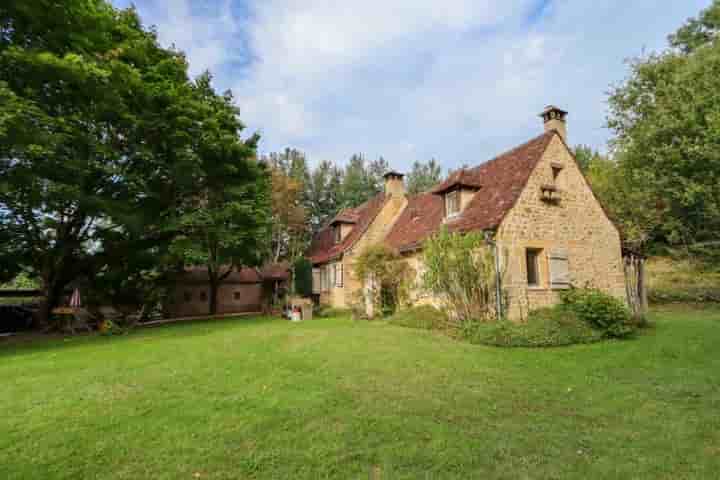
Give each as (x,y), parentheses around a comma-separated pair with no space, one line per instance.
(459,178)
(500,182)
(323,247)
(276,271)
(346,216)
(422,216)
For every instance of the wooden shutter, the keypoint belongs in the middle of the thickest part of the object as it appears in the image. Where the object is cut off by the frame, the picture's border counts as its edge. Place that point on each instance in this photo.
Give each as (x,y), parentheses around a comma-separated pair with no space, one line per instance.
(559,269)
(316,280)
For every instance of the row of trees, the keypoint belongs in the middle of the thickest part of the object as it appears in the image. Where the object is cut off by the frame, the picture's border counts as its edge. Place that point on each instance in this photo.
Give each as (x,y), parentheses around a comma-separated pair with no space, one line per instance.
(115,166)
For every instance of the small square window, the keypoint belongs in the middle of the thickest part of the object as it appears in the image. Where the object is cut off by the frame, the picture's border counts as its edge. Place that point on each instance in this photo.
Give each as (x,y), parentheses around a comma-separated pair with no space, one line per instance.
(187,296)
(452,204)
(532,261)
(236,296)
(203,296)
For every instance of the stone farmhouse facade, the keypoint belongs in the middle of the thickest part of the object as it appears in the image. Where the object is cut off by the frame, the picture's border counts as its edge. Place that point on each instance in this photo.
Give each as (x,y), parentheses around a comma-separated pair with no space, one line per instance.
(533,200)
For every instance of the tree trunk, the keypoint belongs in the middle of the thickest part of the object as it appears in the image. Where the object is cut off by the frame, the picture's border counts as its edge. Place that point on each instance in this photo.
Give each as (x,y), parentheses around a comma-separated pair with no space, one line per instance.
(212,298)
(53,294)
(642,286)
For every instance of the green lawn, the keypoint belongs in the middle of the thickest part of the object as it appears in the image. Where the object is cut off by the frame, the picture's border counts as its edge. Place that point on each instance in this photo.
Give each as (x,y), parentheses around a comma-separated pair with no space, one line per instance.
(336,399)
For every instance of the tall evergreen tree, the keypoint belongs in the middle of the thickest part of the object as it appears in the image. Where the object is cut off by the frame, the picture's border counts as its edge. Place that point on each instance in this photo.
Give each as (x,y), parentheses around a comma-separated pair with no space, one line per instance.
(356,187)
(423,176)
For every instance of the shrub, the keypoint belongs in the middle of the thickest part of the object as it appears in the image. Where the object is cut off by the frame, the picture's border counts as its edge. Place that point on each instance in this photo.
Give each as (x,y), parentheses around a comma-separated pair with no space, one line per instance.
(548,327)
(460,270)
(599,310)
(392,279)
(303,277)
(425,318)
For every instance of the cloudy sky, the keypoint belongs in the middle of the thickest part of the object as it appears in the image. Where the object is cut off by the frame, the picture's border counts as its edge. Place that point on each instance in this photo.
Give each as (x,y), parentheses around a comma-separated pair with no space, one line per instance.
(458,80)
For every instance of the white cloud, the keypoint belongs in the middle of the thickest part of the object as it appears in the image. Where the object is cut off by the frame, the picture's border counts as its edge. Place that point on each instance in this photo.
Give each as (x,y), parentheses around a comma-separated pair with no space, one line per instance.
(459,80)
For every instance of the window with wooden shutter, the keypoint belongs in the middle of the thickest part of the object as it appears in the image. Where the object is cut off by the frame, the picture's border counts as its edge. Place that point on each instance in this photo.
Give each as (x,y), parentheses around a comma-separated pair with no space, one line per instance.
(559,269)
(316,280)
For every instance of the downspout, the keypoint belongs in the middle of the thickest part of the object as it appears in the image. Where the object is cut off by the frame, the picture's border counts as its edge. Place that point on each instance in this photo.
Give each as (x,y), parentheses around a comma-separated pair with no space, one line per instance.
(498,281)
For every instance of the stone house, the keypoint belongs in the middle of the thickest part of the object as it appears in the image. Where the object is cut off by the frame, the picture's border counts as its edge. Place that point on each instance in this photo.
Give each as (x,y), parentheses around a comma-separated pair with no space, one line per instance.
(533,200)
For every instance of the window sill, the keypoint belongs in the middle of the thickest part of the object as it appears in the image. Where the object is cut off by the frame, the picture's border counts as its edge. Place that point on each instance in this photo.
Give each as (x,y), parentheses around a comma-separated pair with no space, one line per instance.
(537,288)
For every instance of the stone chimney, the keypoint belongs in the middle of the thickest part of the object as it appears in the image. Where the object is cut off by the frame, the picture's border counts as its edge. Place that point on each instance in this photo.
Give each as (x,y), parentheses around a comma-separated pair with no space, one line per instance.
(394,184)
(555,119)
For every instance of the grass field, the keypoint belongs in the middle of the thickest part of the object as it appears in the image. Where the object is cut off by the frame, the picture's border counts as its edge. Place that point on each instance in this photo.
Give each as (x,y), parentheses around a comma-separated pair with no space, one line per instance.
(335,399)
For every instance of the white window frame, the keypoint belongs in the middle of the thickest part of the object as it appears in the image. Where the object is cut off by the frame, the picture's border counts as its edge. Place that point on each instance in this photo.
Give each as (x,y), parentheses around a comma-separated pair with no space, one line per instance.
(339,274)
(455,194)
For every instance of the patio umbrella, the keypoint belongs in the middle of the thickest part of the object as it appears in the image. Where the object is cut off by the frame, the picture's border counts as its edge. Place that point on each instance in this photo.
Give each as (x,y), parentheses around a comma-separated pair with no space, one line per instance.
(75,299)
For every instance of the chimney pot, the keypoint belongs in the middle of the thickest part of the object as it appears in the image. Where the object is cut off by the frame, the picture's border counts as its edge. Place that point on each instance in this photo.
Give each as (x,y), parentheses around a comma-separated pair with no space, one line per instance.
(555,118)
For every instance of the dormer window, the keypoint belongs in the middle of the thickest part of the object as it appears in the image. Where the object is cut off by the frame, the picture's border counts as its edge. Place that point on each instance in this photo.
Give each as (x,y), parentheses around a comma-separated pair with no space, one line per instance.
(452,204)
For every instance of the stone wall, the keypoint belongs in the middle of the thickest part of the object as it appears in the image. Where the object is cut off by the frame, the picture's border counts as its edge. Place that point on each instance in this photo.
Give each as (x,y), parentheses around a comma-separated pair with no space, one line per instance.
(192,300)
(576,224)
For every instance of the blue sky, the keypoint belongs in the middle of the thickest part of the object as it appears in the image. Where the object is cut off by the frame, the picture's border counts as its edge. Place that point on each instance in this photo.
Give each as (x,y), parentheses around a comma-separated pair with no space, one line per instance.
(457,80)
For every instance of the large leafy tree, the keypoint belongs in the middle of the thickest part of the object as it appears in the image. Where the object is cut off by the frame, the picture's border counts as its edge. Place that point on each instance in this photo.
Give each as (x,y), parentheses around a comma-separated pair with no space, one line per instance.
(223,226)
(96,135)
(666,117)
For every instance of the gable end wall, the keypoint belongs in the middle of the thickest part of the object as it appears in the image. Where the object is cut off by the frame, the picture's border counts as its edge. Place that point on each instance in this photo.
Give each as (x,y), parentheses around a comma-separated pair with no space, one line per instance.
(577,225)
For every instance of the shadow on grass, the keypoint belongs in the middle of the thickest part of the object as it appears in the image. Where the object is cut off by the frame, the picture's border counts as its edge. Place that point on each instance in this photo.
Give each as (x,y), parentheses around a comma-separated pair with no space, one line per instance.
(31,343)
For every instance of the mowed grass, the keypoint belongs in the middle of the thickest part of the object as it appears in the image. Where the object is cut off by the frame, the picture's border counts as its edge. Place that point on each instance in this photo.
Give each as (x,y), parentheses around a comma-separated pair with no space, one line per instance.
(333,398)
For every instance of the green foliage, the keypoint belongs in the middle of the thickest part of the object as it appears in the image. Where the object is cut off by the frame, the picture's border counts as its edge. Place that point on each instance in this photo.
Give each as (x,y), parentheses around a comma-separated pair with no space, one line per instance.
(637,211)
(547,327)
(324,193)
(460,270)
(22,281)
(666,118)
(585,155)
(97,135)
(327,312)
(391,277)
(599,310)
(303,277)
(699,31)
(424,317)
(423,176)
